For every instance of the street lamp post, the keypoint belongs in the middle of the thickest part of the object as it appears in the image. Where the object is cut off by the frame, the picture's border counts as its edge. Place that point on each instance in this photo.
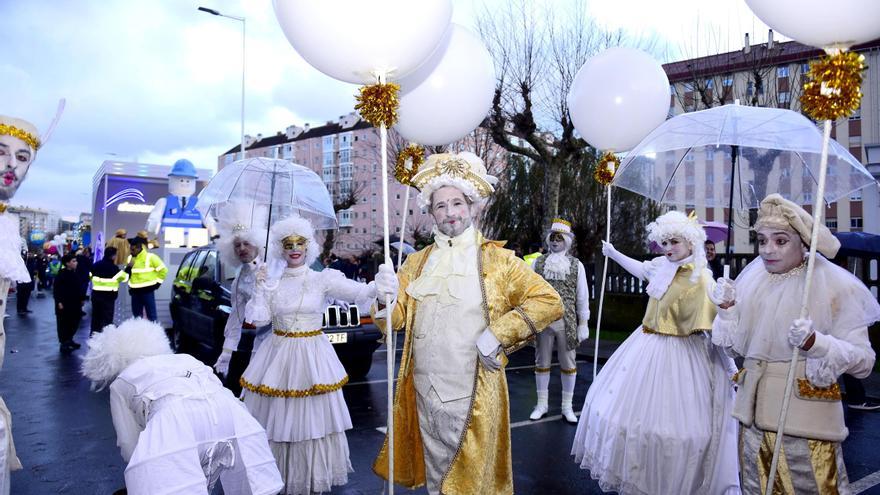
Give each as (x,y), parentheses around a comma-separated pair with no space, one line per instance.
(243,29)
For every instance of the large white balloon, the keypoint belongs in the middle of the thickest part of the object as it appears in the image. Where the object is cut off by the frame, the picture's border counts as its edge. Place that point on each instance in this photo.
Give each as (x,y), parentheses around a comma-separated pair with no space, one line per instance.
(450,94)
(838,24)
(618,97)
(350,40)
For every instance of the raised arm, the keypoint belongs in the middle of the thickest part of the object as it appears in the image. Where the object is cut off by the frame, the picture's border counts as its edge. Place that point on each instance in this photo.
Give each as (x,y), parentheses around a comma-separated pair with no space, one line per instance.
(635,267)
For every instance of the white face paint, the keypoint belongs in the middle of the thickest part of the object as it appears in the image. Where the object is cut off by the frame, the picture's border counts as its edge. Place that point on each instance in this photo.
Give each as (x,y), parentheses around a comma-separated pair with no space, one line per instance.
(15,161)
(780,249)
(181,186)
(244,250)
(676,248)
(451,211)
(556,243)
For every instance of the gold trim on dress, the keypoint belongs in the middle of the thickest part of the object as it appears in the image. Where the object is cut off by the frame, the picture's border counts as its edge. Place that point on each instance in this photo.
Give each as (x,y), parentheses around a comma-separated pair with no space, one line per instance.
(655,332)
(807,390)
(318,389)
(737,375)
(298,335)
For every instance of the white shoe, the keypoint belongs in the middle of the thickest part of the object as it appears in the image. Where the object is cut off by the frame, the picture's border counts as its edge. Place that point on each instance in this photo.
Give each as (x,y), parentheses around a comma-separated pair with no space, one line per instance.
(567,411)
(541,408)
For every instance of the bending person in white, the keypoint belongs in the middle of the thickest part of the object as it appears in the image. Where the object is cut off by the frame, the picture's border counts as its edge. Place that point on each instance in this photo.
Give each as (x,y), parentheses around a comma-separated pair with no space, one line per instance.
(566,274)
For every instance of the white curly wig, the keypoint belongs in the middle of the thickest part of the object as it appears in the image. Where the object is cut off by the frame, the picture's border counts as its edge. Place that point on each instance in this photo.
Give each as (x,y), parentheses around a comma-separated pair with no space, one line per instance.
(235,222)
(117,347)
(677,224)
(290,226)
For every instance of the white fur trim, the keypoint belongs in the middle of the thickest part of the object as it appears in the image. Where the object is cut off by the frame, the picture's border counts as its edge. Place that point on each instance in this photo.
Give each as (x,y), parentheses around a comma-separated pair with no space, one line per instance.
(114,349)
(677,224)
(290,226)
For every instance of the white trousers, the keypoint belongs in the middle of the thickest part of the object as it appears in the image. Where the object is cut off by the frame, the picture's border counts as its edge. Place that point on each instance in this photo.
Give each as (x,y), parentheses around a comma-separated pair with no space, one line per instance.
(441,424)
(554,337)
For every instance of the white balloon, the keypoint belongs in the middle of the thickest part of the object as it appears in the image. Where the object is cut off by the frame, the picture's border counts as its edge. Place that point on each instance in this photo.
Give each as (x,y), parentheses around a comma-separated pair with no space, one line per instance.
(450,94)
(351,40)
(838,24)
(618,97)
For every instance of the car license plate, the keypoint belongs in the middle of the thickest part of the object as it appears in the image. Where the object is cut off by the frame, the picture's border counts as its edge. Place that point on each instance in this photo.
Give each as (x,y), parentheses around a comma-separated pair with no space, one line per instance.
(337,338)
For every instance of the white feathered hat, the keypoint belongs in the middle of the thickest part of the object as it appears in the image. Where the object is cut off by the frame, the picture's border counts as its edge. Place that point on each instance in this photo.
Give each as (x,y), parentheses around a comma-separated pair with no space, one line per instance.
(465,171)
(117,347)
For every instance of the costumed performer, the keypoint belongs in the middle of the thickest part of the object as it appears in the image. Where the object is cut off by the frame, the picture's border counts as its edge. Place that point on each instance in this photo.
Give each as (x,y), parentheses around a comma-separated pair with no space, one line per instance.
(242,229)
(178,428)
(567,275)
(760,321)
(464,303)
(293,384)
(657,417)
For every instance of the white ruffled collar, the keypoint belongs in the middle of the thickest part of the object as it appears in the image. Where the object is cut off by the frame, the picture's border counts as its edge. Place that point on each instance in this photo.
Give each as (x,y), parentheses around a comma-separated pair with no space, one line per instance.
(295,272)
(557,266)
(450,263)
(662,273)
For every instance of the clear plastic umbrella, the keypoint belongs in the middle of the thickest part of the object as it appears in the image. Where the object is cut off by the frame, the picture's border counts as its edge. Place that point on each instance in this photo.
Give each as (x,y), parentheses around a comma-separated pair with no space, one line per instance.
(282,186)
(733,156)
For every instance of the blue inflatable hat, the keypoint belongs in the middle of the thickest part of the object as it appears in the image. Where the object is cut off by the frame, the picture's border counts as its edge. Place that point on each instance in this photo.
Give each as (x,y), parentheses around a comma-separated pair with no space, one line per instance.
(183,168)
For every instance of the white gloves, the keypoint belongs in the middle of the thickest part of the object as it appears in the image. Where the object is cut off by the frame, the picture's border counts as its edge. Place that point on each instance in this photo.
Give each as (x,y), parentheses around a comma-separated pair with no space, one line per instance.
(222,364)
(724,292)
(800,331)
(608,249)
(583,333)
(386,283)
(262,274)
(488,348)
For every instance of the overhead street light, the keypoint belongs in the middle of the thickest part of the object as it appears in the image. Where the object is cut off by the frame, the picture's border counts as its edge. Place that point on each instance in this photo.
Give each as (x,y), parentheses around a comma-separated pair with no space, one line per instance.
(243,24)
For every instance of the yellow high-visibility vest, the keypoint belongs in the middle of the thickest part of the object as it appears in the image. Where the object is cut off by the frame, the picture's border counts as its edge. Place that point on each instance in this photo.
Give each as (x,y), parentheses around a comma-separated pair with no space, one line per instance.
(147,270)
(108,284)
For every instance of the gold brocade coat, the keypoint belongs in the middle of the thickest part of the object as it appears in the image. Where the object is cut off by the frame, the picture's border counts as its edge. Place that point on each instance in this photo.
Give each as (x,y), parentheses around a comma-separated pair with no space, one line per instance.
(518,303)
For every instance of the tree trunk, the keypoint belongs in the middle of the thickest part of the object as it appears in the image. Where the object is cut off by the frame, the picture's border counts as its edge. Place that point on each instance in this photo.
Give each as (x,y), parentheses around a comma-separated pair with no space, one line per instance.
(552,183)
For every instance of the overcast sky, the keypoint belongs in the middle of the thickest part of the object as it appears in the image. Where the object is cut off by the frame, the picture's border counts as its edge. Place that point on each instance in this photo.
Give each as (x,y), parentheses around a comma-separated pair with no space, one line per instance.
(156,81)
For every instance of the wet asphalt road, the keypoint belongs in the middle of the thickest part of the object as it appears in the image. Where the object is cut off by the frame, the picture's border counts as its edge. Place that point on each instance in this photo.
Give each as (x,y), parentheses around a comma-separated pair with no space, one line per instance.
(66,442)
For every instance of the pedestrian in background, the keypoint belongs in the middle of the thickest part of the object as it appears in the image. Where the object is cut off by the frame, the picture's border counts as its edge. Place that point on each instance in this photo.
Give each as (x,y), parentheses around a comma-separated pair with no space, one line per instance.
(52,270)
(84,267)
(147,273)
(105,277)
(713,263)
(68,303)
(24,289)
(43,269)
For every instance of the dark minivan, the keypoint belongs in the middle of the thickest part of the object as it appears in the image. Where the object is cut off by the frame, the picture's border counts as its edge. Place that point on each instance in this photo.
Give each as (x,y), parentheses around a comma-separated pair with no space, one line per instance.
(200,306)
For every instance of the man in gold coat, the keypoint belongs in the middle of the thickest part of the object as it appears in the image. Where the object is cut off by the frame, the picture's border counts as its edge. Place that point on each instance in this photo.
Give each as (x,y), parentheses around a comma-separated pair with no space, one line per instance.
(463,303)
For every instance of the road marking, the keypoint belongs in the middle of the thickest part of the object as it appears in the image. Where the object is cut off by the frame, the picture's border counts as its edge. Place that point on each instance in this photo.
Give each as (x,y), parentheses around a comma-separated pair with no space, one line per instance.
(528,422)
(514,368)
(866,483)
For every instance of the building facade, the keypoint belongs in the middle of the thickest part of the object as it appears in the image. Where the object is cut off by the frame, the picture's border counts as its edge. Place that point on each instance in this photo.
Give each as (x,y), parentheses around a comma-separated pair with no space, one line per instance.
(773,76)
(36,220)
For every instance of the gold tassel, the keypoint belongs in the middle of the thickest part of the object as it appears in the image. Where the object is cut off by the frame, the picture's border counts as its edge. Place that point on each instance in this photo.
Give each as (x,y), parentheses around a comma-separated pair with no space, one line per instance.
(606,167)
(835,87)
(416,156)
(378,103)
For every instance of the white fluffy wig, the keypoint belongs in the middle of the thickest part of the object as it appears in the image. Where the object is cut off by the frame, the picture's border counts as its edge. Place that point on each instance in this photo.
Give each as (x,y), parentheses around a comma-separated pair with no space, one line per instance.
(240,221)
(568,238)
(677,224)
(293,225)
(117,347)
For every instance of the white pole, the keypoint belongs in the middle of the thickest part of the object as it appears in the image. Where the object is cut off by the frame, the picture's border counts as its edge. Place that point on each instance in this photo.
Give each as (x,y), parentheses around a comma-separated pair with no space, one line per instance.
(242,84)
(819,203)
(389,339)
(403,227)
(604,277)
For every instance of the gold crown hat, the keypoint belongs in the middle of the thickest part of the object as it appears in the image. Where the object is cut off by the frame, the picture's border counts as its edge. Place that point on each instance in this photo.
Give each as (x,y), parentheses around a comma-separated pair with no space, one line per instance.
(561,226)
(21,129)
(778,212)
(464,170)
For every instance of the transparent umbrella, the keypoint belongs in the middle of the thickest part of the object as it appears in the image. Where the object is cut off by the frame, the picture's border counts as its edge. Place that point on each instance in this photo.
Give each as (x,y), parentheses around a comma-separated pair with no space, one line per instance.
(733,156)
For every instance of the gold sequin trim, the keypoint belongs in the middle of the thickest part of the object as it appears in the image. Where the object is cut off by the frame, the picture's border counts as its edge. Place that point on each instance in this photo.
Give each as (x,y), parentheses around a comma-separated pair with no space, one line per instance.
(735,377)
(655,332)
(542,370)
(268,391)
(298,335)
(28,138)
(808,391)
(572,371)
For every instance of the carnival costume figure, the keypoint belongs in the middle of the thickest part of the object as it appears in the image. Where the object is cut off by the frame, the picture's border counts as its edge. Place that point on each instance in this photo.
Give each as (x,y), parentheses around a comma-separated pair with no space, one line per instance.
(657,417)
(178,428)
(760,321)
(566,274)
(463,303)
(19,142)
(242,229)
(293,384)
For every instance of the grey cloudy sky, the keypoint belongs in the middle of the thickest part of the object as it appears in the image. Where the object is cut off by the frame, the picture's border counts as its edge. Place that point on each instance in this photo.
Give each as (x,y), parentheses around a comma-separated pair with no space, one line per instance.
(157,81)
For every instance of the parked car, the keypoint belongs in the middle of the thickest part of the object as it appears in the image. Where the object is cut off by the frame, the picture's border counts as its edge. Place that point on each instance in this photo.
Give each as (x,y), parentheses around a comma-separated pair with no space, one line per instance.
(200,306)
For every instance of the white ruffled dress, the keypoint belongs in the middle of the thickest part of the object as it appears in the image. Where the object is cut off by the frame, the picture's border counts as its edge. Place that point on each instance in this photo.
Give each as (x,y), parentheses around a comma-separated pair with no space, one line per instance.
(12,265)
(657,418)
(293,384)
(180,431)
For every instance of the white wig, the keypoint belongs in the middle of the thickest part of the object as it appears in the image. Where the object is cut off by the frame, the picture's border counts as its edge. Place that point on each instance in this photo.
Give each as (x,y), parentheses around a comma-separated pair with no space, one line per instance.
(239,220)
(677,224)
(567,237)
(293,225)
(115,348)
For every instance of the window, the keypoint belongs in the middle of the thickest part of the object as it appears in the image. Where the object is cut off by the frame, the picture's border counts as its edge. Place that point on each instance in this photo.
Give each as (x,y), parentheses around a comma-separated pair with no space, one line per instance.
(345,141)
(688,87)
(805,67)
(710,153)
(328,159)
(831,223)
(855,141)
(328,143)
(750,88)
(344,156)
(328,174)
(710,177)
(689,157)
(856,195)
(782,71)
(288,152)
(345,187)
(727,81)
(345,172)
(784,97)
(227,160)
(710,83)
(857,114)
(855,224)
(808,197)
(344,218)
(786,172)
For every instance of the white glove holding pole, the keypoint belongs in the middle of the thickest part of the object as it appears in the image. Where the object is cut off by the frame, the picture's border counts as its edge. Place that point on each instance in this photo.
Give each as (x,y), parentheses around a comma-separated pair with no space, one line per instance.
(800,331)
(608,249)
(583,333)
(723,293)
(222,364)
(386,283)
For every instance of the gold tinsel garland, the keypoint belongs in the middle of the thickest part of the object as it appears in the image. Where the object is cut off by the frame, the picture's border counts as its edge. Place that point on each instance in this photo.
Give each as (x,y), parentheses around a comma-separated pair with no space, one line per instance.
(378,103)
(834,90)
(606,167)
(416,156)
(267,391)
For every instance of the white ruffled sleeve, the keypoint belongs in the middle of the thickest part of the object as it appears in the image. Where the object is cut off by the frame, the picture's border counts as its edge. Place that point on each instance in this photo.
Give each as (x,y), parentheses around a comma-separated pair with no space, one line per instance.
(725,330)
(338,287)
(128,429)
(831,357)
(259,309)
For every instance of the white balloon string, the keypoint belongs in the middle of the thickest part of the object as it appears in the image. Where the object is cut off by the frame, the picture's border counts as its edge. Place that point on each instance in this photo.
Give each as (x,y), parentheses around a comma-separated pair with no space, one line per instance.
(818,205)
(49,130)
(604,278)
